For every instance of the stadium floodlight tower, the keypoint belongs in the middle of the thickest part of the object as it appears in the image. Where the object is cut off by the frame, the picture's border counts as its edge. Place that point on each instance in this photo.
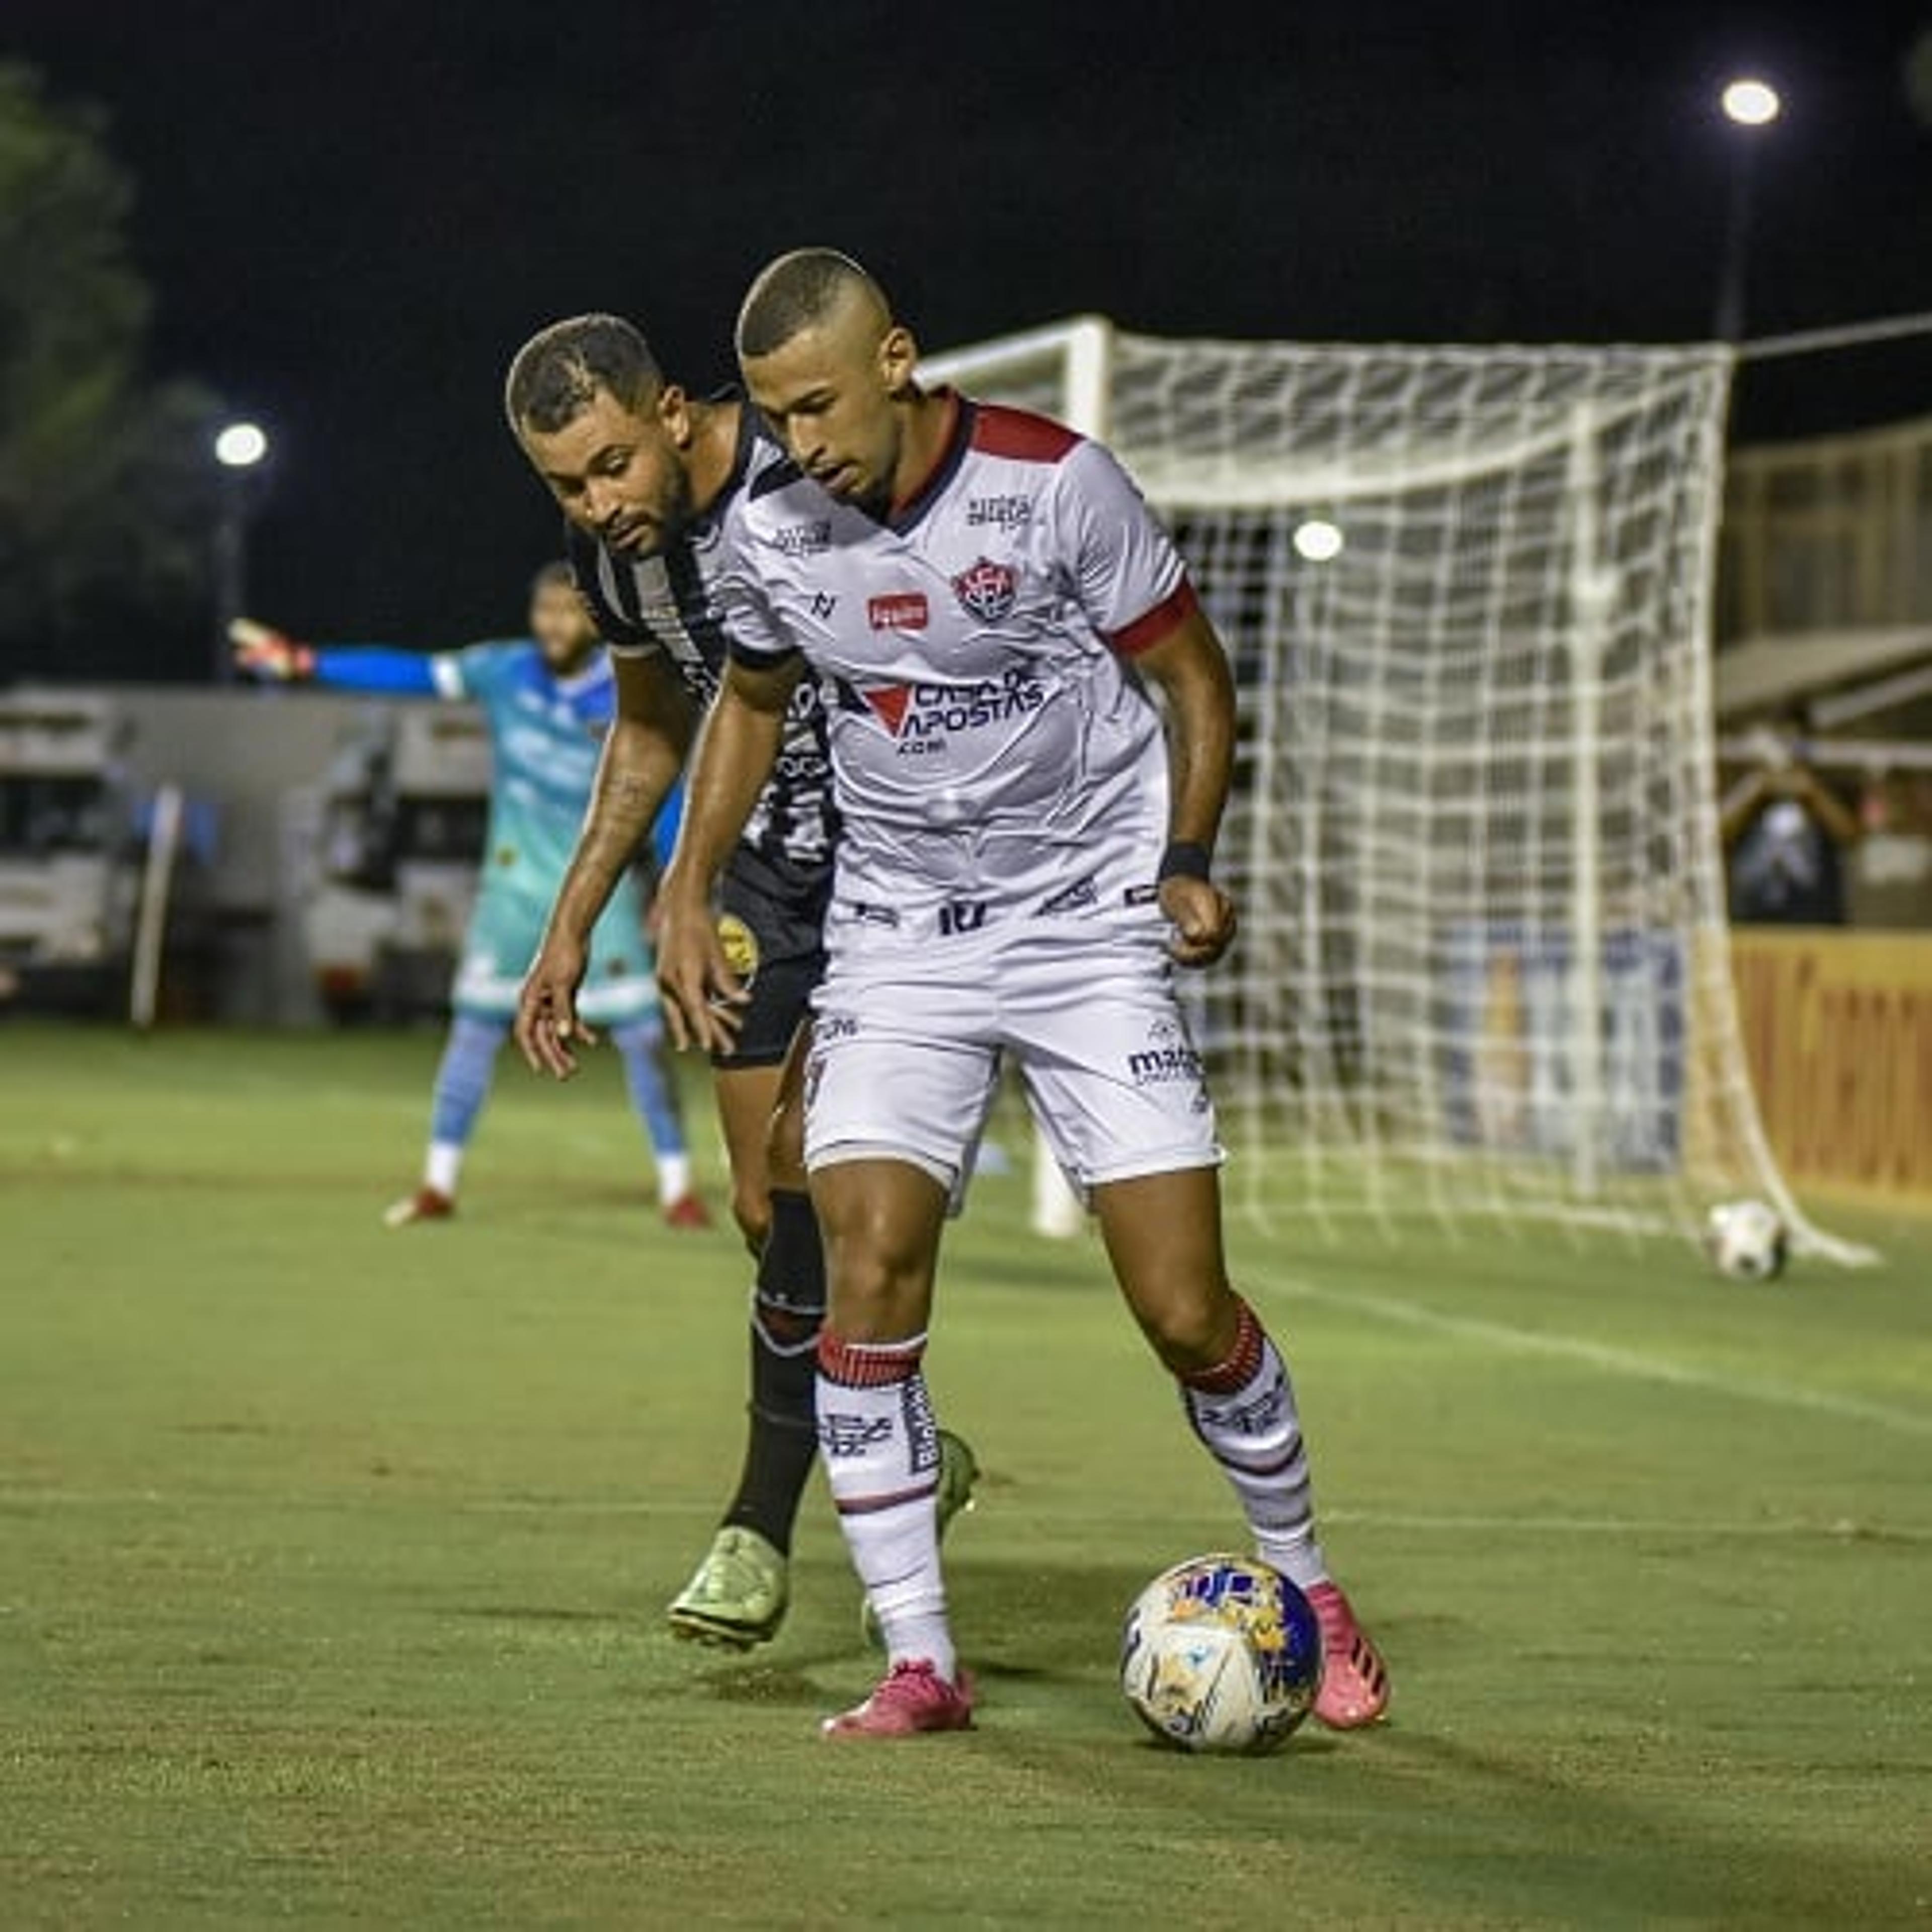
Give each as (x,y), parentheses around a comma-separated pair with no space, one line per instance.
(241,448)
(1749,104)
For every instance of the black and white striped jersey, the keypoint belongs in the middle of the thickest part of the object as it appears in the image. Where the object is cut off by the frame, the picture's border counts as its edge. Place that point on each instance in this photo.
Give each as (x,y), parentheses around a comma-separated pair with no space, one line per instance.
(667,605)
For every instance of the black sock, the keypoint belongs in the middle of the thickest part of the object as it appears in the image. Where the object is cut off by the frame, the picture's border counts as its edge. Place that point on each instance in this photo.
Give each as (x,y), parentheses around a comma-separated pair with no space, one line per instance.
(787,1311)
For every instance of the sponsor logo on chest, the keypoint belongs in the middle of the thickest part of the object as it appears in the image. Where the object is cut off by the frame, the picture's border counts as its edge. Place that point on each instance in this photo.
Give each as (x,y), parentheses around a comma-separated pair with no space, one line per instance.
(538,712)
(1000,513)
(898,611)
(923,719)
(812,538)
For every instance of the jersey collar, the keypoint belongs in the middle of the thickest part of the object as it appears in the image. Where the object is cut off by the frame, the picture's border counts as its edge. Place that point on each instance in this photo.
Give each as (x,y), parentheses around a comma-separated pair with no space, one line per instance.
(575,683)
(741,455)
(911,510)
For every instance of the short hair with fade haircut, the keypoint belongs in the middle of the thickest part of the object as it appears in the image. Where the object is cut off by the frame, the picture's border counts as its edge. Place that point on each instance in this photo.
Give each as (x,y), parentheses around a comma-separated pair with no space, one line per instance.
(796,292)
(555,376)
(555,575)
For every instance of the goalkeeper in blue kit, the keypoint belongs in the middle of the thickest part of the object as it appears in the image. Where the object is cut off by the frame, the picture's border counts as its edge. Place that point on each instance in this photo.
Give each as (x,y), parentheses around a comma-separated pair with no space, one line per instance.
(548,698)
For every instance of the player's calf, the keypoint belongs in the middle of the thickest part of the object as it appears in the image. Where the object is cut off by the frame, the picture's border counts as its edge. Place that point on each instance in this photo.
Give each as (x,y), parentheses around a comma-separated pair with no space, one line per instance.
(882,1465)
(1243,1409)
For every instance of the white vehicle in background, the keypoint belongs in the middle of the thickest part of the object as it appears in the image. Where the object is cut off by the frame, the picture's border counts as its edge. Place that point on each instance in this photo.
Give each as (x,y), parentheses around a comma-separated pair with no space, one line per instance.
(70,871)
(404,818)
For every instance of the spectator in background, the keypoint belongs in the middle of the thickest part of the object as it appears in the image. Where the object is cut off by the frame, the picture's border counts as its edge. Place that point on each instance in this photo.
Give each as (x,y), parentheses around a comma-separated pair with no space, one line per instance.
(1784,833)
(1891,882)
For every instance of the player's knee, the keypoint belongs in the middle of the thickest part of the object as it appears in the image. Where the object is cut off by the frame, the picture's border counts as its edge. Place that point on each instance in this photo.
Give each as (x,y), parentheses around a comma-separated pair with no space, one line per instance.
(786,1326)
(1190,1332)
(791,1270)
(879,1287)
(784,1148)
(752,1209)
(881,1222)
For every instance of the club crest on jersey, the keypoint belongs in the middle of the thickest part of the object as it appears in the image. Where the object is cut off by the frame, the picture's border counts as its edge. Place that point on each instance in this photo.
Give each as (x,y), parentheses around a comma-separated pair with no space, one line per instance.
(988,590)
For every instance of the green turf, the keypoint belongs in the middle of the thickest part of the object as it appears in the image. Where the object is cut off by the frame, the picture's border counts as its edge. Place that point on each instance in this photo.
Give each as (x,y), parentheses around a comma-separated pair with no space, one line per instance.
(330,1559)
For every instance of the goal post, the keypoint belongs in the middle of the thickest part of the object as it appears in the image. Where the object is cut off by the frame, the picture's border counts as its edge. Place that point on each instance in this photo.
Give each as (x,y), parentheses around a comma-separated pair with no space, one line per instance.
(1484,972)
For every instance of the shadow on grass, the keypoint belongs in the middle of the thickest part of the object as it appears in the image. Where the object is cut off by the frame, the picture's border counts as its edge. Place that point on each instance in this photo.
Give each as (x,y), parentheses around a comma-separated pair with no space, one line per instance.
(1525,1826)
(538,1613)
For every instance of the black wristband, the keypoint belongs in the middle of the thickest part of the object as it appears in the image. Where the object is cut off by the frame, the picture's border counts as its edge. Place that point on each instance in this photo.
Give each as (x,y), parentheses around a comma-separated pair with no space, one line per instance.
(1182,860)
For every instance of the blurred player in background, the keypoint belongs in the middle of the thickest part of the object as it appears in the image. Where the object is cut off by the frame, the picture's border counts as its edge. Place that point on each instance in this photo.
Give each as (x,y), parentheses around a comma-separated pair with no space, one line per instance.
(988,603)
(643,473)
(548,698)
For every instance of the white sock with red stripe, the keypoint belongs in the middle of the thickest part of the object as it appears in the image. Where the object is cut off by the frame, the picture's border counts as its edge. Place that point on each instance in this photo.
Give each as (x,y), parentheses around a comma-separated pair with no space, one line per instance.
(1244,1410)
(881,1452)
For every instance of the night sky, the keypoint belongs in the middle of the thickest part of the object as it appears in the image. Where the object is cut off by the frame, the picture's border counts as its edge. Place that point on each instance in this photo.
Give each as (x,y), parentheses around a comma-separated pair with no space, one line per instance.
(352,214)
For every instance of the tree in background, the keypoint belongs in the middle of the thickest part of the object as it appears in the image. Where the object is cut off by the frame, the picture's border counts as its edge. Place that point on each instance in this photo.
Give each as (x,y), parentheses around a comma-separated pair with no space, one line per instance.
(106,492)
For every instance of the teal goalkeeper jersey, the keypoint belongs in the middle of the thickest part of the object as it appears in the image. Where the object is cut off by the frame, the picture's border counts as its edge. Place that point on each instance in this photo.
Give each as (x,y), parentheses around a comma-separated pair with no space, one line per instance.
(546,734)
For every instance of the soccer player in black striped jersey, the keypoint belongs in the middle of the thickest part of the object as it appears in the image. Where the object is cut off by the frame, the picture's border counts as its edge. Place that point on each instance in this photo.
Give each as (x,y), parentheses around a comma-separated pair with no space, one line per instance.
(642,473)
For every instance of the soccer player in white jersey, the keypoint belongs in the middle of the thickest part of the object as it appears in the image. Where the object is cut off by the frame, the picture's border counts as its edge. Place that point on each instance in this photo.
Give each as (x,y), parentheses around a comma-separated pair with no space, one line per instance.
(1023,862)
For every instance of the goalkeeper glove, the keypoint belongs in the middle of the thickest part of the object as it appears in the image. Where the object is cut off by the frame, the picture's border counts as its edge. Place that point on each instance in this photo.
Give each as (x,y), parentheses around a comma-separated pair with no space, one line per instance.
(264,653)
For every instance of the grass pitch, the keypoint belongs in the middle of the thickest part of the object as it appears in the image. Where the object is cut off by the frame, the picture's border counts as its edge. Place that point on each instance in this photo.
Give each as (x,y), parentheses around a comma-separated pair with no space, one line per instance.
(331,1559)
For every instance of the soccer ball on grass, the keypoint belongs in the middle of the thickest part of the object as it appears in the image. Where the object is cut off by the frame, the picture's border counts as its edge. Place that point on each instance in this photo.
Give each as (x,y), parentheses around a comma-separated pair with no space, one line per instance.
(1746,1240)
(1221,1654)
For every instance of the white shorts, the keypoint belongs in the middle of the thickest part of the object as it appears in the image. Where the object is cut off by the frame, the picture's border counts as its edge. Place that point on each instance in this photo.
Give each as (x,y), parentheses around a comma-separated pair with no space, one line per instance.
(907,1044)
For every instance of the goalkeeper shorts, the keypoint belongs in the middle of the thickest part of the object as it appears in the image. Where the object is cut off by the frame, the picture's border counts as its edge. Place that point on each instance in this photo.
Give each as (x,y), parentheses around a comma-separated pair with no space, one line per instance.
(908,1043)
(507,927)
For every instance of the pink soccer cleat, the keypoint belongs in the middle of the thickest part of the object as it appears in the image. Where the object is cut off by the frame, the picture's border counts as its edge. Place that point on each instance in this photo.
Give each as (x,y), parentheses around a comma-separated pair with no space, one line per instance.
(426,1203)
(913,1698)
(1354,1681)
(688,1210)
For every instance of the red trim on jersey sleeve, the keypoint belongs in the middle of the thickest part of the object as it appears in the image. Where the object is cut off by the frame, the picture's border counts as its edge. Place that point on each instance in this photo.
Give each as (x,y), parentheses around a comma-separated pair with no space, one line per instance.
(1167,616)
(1000,431)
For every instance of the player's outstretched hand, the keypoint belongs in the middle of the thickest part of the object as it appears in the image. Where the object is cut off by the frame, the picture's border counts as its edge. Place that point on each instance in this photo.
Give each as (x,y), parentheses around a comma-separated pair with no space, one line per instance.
(703,996)
(547,1026)
(1204,919)
(262,651)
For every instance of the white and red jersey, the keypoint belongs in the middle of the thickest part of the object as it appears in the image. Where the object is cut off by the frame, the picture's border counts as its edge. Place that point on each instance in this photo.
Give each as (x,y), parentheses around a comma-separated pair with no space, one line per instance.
(993,753)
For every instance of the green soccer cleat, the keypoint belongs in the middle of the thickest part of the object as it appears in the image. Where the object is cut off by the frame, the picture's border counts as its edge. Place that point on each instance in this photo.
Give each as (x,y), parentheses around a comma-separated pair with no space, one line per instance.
(738,1597)
(959,1471)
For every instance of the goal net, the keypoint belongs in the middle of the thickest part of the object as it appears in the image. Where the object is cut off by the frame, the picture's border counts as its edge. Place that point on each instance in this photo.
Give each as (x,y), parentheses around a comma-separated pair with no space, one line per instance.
(1484,973)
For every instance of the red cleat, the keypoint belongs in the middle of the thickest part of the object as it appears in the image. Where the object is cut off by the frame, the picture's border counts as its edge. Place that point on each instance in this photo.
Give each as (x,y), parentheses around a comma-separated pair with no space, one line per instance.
(1355,1680)
(426,1203)
(913,1698)
(687,1211)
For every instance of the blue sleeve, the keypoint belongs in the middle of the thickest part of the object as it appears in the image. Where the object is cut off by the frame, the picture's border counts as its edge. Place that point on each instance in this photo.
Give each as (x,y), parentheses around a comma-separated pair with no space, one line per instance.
(375,667)
(482,672)
(663,833)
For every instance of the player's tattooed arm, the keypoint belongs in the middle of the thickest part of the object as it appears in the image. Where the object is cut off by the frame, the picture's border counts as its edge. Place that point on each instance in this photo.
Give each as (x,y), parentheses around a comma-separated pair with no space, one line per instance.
(643,752)
(1190,668)
(736,750)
